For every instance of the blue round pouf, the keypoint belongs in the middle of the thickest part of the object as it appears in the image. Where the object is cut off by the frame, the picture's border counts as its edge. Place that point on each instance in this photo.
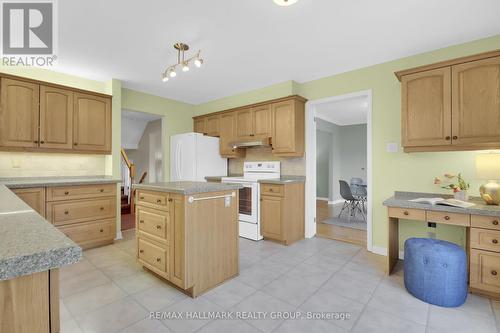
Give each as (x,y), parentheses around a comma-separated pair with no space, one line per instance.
(435,271)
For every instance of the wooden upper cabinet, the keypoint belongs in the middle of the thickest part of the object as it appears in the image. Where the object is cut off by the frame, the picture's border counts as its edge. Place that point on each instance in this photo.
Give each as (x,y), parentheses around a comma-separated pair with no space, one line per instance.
(199,125)
(261,121)
(228,135)
(244,128)
(56,118)
(213,125)
(92,123)
(287,120)
(476,102)
(19,113)
(426,108)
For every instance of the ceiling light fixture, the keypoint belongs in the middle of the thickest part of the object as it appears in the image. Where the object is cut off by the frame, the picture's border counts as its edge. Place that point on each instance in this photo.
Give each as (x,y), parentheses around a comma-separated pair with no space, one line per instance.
(285,3)
(182,62)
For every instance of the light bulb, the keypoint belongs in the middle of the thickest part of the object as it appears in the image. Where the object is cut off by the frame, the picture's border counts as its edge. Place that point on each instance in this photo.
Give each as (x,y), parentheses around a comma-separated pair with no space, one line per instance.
(198,62)
(164,77)
(185,67)
(172,73)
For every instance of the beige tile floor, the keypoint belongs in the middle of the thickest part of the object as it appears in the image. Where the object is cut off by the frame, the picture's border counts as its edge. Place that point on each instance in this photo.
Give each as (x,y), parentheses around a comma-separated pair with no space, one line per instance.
(107,291)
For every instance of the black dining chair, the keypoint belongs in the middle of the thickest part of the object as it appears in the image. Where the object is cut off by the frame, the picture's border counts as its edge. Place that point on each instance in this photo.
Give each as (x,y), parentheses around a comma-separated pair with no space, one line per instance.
(351,203)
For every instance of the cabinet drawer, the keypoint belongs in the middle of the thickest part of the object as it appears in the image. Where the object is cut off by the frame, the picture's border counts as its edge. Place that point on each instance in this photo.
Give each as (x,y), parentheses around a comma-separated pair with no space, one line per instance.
(485,239)
(80,192)
(153,222)
(90,232)
(448,218)
(272,189)
(485,270)
(158,200)
(407,213)
(68,212)
(153,255)
(486,222)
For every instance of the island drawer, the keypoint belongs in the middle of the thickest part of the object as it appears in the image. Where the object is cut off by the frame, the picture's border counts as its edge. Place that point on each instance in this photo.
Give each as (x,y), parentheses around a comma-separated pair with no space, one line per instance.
(407,213)
(448,218)
(485,239)
(153,222)
(486,222)
(272,189)
(68,212)
(80,192)
(485,270)
(158,200)
(90,232)
(153,255)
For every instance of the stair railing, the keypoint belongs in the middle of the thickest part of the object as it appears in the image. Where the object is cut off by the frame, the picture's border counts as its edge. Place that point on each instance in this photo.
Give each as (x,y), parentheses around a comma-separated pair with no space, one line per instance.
(131,176)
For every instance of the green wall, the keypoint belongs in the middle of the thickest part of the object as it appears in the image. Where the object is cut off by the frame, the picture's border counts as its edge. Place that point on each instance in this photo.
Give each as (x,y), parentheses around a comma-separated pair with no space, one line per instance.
(391,171)
(178,117)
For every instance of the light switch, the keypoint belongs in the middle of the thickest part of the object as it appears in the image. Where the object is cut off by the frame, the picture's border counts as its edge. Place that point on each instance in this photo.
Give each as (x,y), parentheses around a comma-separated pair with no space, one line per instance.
(392,147)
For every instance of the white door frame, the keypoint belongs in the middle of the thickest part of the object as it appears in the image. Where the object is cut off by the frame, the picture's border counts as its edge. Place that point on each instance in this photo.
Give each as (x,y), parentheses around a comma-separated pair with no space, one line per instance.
(310,227)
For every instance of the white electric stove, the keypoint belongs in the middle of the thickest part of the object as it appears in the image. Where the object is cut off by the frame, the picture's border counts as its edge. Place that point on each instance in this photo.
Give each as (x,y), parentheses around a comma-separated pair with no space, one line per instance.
(249,203)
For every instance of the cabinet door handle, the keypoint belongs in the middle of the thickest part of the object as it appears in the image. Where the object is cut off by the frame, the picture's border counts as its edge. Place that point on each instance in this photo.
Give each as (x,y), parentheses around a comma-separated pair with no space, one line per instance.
(158,227)
(158,200)
(142,198)
(406,213)
(102,230)
(494,273)
(75,144)
(170,199)
(455,137)
(447,218)
(141,221)
(495,222)
(102,208)
(141,251)
(102,190)
(42,142)
(252,134)
(35,141)
(158,259)
(66,212)
(448,138)
(271,190)
(495,241)
(66,193)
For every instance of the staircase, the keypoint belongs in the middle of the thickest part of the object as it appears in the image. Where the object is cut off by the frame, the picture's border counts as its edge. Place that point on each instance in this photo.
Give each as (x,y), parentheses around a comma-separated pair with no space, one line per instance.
(124,202)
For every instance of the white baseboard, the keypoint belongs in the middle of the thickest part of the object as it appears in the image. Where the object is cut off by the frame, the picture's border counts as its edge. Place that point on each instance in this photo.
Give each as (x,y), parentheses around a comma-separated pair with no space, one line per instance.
(322,199)
(119,235)
(383,251)
(330,202)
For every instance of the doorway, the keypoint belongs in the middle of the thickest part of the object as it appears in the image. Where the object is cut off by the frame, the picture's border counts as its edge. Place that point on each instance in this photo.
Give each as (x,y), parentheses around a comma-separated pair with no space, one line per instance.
(338,168)
(142,157)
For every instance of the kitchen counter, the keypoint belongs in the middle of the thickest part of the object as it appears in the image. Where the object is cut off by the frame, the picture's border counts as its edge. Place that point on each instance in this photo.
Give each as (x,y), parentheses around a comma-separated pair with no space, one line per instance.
(187,187)
(26,182)
(281,180)
(401,200)
(28,243)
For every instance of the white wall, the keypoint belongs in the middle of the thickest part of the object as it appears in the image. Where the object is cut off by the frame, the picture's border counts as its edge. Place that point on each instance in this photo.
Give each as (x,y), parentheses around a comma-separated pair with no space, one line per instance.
(132,130)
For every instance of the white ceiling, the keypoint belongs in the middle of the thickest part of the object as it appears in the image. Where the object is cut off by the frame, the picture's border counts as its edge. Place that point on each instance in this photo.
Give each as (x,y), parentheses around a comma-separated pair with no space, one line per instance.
(255,43)
(350,111)
(134,115)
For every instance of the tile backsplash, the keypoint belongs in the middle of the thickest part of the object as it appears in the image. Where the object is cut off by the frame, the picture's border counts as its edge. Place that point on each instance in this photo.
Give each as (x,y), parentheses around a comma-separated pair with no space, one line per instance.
(295,166)
(20,164)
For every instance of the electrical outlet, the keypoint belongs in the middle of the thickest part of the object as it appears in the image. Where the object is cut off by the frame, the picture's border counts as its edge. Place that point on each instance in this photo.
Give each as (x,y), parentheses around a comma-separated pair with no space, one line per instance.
(227,202)
(16,163)
(392,147)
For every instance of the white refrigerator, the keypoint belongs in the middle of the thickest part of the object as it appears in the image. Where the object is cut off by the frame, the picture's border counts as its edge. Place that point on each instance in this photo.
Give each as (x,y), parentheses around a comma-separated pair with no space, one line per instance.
(194,156)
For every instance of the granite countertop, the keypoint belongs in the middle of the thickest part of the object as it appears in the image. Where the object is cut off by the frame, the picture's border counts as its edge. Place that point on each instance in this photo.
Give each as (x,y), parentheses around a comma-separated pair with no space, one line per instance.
(401,199)
(281,180)
(28,243)
(188,187)
(25,182)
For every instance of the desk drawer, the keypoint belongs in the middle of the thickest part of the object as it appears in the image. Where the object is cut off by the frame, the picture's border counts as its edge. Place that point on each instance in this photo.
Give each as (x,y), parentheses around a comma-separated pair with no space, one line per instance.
(155,223)
(80,192)
(486,222)
(153,255)
(485,239)
(153,199)
(485,270)
(448,218)
(272,189)
(407,213)
(88,232)
(75,211)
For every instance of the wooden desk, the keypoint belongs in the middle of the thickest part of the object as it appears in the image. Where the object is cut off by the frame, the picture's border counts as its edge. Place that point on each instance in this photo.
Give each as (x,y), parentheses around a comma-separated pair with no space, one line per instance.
(482,224)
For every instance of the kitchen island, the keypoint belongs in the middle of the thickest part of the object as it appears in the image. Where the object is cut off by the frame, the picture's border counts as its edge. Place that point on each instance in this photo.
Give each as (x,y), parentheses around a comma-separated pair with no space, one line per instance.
(31,252)
(187,233)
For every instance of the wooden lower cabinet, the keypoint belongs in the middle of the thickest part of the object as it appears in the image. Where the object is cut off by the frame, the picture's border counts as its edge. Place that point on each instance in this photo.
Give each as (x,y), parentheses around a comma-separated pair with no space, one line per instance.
(282,212)
(34,197)
(485,272)
(84,213)
(193,245)
(30,303)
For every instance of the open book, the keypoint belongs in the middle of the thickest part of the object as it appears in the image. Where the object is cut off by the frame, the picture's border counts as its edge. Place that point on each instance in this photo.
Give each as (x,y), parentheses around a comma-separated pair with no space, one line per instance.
(444,202)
